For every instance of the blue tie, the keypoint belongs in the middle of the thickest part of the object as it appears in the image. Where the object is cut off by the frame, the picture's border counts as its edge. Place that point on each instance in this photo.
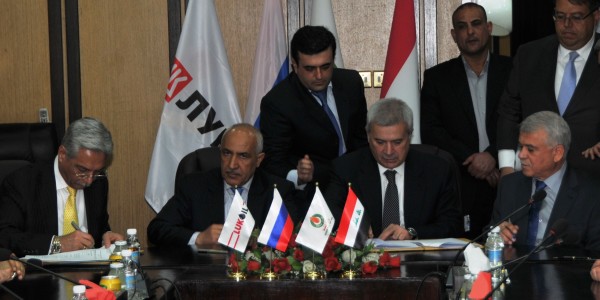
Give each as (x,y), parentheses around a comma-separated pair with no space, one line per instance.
(534,216)
(322,95)
(568,83)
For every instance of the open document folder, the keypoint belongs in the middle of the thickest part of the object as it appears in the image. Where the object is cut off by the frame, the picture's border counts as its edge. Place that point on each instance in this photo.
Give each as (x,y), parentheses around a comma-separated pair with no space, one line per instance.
(410,245)
(88,255)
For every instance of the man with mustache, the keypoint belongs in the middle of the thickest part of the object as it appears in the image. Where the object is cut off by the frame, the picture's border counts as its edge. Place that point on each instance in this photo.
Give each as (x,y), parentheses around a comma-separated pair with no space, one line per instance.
(314,115)
(196,213)
(407,193)
(558,73)
(40,203)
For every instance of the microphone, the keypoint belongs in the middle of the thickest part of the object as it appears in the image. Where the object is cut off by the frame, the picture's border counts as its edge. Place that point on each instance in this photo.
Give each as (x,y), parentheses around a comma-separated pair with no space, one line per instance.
(536,197)
(37,264)
(557,231)
(5,255)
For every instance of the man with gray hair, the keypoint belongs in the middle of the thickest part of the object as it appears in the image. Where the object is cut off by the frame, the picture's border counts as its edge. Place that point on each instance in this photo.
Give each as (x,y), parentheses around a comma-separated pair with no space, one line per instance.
(407,193)
(544,142)
(47,209)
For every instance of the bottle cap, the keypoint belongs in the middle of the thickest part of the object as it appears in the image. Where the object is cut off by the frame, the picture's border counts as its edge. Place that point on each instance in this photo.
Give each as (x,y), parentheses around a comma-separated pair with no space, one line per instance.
(121,243)
(116,265)
(78,289)
(496,229)
(131,231)
(126,252)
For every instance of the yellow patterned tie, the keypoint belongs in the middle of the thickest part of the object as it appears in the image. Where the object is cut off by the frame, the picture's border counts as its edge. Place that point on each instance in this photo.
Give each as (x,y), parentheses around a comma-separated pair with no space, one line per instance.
(70,214)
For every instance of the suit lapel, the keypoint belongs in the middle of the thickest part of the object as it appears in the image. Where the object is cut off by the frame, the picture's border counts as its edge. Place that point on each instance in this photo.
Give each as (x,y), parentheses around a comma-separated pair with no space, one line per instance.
(458,79)
(565,199)
(49,208)
(314,109)
(522,219)
(342,108)
(258,195)
(413,191)
(368,189)
(590,78)
(216,202)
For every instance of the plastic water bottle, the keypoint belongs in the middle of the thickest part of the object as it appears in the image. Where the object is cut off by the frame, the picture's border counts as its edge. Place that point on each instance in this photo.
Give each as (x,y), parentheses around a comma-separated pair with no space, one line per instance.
(129,273)
(134,245)
(494,247)
(79,292)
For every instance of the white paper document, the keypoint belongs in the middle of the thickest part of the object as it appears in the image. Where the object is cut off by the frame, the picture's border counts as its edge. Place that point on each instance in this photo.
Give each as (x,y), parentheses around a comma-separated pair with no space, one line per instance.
(100,254)
(448,243)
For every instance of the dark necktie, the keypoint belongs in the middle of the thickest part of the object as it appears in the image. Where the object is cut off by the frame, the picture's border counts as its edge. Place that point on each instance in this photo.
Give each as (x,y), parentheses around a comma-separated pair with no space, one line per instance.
(391,201)
(568,84)
(534,216)
(322,95)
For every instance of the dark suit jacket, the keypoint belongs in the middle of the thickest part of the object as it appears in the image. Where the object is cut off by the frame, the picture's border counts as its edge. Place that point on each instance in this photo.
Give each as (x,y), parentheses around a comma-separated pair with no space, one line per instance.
(199,203)
(294,124)
(531,89)
(28,210)
(447,114)
(430,192)
(577,202)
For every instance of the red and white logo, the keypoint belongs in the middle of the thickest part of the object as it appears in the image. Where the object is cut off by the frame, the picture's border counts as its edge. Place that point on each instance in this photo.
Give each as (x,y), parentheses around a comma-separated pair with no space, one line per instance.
(179,79)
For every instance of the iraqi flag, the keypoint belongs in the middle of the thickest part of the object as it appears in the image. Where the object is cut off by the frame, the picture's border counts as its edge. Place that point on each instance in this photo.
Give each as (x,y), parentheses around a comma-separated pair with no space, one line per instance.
(401,78)
(317,225)
(238,225)
(271,63)
(322,15)
(200,102)
(354,225)
(278,227)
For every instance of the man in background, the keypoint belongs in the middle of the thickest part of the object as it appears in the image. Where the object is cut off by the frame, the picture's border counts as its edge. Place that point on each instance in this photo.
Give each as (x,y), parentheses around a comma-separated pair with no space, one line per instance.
(459,99)
(47,209)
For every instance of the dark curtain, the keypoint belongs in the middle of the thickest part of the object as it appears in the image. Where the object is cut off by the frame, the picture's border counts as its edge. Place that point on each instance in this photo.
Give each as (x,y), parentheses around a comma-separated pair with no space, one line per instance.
(532,19)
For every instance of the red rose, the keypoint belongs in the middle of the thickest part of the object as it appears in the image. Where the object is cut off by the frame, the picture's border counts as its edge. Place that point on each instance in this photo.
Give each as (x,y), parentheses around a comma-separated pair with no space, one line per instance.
(369,267)
(233,263)
(253,265)
(327,252)
(332,264)
(298,255)
(384,259)
(281,264)
(292,243)
(395,262)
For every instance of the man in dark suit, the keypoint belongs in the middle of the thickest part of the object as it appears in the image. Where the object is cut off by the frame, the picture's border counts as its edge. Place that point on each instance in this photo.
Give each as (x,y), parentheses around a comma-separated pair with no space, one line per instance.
(303,136)
(40,202)
(458,112)
(536,84)
(571,194)
(196,213)
(406,193)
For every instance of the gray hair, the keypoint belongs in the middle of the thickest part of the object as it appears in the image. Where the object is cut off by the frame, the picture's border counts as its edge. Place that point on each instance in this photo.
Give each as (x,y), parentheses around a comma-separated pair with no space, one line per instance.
(249,128)
(88,133)
(556,127)
(387,112)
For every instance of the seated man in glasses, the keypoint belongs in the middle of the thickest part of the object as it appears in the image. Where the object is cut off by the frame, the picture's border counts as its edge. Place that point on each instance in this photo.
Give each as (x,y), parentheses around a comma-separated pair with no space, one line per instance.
(60,207)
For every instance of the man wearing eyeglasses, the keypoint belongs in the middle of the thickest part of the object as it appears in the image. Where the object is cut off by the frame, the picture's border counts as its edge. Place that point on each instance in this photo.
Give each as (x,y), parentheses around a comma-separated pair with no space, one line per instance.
(558,73)
(47,209)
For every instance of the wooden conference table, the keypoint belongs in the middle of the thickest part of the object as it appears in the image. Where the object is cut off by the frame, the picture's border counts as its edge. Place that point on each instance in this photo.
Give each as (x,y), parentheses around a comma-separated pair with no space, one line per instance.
(548,275)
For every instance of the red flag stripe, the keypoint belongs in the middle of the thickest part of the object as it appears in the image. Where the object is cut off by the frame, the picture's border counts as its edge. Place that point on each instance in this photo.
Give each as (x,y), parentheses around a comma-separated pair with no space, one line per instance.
(346,217)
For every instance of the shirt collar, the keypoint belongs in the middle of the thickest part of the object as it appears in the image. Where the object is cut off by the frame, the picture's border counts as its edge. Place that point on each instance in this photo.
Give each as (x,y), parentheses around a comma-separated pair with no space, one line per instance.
(59,180)
(554,181)
(399,169)
(583,52)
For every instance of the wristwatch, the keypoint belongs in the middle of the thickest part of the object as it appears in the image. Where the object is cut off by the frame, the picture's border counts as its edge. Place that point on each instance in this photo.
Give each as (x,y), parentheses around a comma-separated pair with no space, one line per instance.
(412,232)
(55,246)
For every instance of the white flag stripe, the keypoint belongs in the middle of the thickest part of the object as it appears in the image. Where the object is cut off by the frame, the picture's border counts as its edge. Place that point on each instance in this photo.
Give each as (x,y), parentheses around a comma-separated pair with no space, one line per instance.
(238,225)
(201,100)
(317,225)
(270,57)
(322,14)
(354,224)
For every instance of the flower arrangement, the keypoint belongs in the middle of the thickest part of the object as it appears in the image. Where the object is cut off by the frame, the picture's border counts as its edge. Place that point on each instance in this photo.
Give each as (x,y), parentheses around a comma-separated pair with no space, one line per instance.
(297,261)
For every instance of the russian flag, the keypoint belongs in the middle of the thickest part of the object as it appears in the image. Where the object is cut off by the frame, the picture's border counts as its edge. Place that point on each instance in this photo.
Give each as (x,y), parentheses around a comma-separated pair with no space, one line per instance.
(354,225)
(278,226)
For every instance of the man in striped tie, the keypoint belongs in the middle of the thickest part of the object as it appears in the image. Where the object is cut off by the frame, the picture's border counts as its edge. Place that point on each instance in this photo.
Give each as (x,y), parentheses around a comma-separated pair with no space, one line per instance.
(60,207)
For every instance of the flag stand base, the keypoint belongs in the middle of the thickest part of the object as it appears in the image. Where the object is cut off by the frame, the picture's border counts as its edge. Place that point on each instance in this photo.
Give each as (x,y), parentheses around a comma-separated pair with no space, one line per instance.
(237,276)
(270,276)
(313,275)
(350,274)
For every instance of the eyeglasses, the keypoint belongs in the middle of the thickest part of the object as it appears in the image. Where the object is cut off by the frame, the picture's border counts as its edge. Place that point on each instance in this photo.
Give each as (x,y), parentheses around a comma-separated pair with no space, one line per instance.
(574,18)
(87,175)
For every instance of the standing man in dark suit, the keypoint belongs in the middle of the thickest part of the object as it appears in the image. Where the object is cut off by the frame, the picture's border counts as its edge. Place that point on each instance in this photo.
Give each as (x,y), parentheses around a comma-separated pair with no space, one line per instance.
(571,194)
(39,202)
(196,213)
(459,99)
(406,193)
(302,135)
(537,83)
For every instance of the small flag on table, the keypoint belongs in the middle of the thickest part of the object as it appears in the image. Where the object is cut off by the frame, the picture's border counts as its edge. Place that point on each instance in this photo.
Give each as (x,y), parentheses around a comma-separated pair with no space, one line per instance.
(354,225)
(317,224)
(278,227)
(238,225)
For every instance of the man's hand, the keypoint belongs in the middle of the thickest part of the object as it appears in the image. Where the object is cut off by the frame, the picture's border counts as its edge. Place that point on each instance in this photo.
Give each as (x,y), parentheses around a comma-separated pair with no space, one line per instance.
(595,271)
(210,235)
(10,267)
(395,232)
(508,232)
(110,237)
(76,240)
(480,164)
(493,178)
(592,152)
(305,170)
(505,171)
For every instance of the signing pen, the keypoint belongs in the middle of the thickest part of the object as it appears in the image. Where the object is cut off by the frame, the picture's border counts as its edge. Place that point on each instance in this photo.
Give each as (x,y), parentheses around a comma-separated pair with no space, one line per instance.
(75,225)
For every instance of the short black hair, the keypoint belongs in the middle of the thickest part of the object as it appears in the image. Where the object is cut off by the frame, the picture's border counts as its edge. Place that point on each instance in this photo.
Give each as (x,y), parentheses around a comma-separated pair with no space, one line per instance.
(591,4)
(312,40)
(472,5)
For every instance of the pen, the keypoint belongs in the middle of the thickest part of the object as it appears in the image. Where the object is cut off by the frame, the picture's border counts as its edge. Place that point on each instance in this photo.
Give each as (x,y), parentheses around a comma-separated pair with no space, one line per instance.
(75,225)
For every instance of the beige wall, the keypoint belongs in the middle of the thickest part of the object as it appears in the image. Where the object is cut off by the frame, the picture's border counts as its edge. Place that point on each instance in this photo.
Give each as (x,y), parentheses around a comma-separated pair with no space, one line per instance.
(125,69)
